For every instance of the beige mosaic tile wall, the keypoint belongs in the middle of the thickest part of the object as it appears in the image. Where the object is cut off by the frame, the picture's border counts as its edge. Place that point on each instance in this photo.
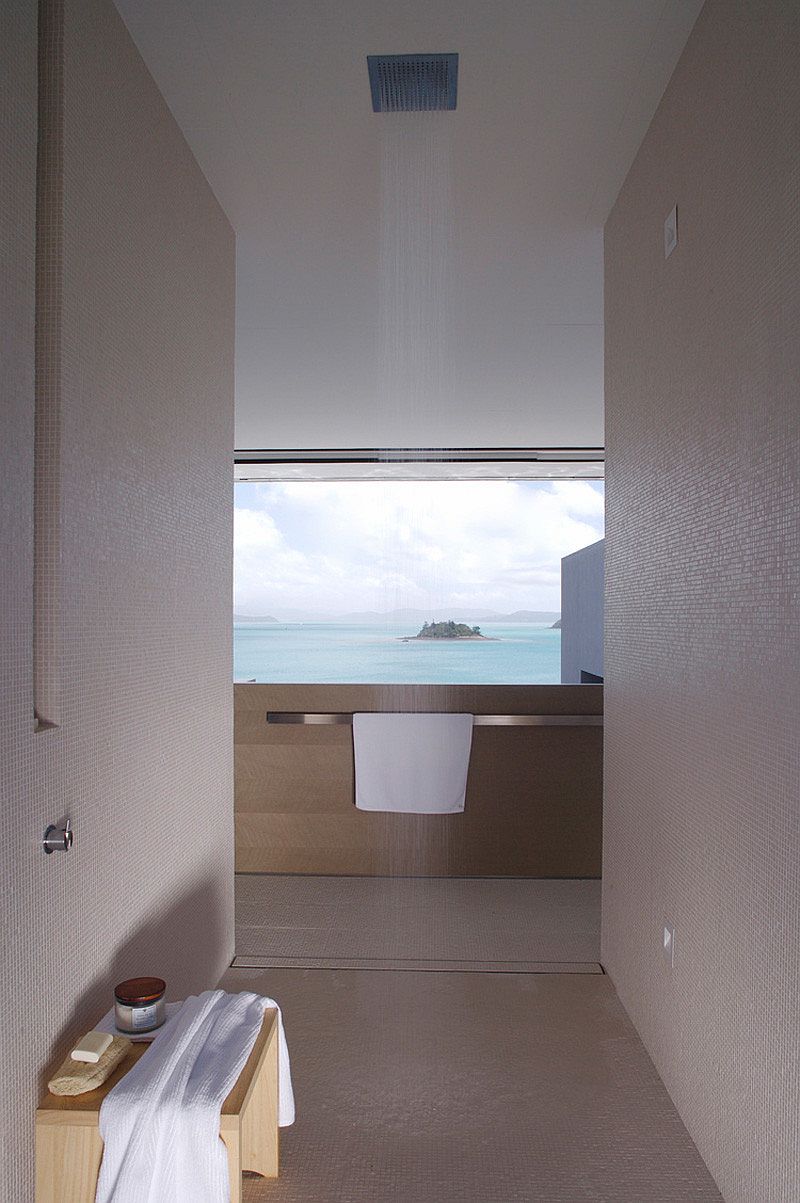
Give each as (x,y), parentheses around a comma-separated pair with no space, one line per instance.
(702,756)
(142,757)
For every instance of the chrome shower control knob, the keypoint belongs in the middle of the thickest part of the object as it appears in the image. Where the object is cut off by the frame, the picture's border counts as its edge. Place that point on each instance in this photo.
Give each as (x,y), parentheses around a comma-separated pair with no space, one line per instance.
(58,839)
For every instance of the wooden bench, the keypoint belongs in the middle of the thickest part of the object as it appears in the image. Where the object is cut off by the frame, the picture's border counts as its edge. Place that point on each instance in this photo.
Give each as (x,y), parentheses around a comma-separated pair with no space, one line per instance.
(69,1149)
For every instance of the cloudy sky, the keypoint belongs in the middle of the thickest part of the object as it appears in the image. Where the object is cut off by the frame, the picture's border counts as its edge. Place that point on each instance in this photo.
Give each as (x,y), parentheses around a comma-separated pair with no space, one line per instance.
(385,545)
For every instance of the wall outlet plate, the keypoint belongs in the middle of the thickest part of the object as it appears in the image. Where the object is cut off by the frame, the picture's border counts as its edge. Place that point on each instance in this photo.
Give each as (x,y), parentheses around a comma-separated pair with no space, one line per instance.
(668,944)
(671,232)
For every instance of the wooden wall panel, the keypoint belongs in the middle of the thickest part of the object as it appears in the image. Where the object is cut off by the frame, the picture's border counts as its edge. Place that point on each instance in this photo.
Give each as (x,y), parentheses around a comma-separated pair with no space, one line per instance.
(534,794)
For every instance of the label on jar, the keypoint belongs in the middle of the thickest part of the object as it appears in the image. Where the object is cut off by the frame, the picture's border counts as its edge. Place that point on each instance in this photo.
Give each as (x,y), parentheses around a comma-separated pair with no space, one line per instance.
(143,1018)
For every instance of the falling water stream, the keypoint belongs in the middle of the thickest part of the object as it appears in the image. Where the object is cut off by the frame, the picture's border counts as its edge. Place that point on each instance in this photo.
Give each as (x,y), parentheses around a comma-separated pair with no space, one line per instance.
(416,244)
(415,377)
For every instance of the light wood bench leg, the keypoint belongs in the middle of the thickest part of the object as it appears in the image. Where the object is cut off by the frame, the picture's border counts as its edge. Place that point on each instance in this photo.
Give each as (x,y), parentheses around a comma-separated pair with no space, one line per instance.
(67,1163)
(259,1118)
(234,1146)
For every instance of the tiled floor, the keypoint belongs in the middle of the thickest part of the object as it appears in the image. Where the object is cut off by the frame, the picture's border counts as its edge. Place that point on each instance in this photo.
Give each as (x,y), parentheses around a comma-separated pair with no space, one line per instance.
(503,924)
(470,1088)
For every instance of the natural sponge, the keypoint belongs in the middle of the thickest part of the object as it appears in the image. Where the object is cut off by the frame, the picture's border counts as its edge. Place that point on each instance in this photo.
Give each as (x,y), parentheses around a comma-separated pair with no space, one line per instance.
(76,1077)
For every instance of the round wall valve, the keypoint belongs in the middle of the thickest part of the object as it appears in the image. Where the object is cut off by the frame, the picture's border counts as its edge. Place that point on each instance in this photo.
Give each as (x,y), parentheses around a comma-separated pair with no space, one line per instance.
(58,839)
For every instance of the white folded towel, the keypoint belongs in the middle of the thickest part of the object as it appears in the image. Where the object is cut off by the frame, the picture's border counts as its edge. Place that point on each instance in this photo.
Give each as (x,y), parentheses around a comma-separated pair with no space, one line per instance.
(160,1123)
(412,762)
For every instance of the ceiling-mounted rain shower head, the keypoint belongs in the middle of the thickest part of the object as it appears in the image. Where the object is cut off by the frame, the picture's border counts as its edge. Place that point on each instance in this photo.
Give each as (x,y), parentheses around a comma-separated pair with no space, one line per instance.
(412,83)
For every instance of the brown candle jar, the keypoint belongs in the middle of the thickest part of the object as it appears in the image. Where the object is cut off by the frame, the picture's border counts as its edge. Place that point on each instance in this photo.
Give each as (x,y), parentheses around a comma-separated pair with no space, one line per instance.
(139,1004)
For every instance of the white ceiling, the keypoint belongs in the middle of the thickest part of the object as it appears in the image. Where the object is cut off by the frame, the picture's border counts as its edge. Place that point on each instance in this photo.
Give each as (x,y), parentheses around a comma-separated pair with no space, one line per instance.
(554,98)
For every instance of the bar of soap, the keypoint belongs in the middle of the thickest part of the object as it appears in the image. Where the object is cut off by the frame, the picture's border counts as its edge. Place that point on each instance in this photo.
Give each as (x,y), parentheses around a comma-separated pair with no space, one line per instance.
(91,1047)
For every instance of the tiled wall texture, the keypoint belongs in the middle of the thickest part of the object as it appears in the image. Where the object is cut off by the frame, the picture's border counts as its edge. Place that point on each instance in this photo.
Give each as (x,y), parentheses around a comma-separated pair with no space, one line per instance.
(143,381)
(702,755)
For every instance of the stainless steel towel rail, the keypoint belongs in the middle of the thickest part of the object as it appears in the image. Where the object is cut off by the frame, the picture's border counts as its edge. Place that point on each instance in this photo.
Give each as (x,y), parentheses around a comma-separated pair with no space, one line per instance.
(478,720)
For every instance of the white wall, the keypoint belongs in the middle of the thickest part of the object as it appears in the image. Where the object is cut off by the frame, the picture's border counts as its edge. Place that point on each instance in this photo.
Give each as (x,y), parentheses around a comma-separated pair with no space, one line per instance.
(141,357)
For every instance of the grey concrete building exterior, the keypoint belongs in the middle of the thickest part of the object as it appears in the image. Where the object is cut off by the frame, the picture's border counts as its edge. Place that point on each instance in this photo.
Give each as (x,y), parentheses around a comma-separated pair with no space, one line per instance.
(582,615)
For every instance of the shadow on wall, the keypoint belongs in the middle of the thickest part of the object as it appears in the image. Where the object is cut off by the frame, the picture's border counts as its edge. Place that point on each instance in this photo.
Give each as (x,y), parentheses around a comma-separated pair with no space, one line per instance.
(157,948)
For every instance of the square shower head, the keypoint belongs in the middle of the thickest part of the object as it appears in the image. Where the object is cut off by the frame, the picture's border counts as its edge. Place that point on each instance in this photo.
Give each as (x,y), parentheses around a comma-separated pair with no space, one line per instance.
(412,83)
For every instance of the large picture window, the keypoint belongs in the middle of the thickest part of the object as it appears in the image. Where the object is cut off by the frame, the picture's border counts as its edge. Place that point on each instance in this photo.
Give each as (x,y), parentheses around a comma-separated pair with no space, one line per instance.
(419,581)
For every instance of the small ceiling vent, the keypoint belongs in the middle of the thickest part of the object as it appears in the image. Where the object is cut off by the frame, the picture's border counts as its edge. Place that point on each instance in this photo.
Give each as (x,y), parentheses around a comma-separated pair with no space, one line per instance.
(412,83)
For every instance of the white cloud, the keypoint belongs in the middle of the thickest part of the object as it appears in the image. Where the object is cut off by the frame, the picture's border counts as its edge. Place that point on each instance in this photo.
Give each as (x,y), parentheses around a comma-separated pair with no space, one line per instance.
(379,545)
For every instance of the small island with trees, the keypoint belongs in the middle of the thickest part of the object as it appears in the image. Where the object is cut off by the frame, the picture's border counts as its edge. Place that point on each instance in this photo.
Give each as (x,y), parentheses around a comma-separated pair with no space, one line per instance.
(447,630)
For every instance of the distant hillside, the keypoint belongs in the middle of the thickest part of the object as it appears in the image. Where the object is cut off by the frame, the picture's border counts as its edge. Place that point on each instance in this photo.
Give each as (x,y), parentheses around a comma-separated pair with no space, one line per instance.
(410,617)
(556,626)
(459,615)
(529,616)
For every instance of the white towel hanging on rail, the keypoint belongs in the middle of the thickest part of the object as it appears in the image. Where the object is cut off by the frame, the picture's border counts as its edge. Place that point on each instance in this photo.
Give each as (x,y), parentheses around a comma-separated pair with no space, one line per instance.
(412,763)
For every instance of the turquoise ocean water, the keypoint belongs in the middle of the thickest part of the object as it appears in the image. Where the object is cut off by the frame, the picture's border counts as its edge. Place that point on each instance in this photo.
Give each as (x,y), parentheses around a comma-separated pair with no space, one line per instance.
(338,653)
